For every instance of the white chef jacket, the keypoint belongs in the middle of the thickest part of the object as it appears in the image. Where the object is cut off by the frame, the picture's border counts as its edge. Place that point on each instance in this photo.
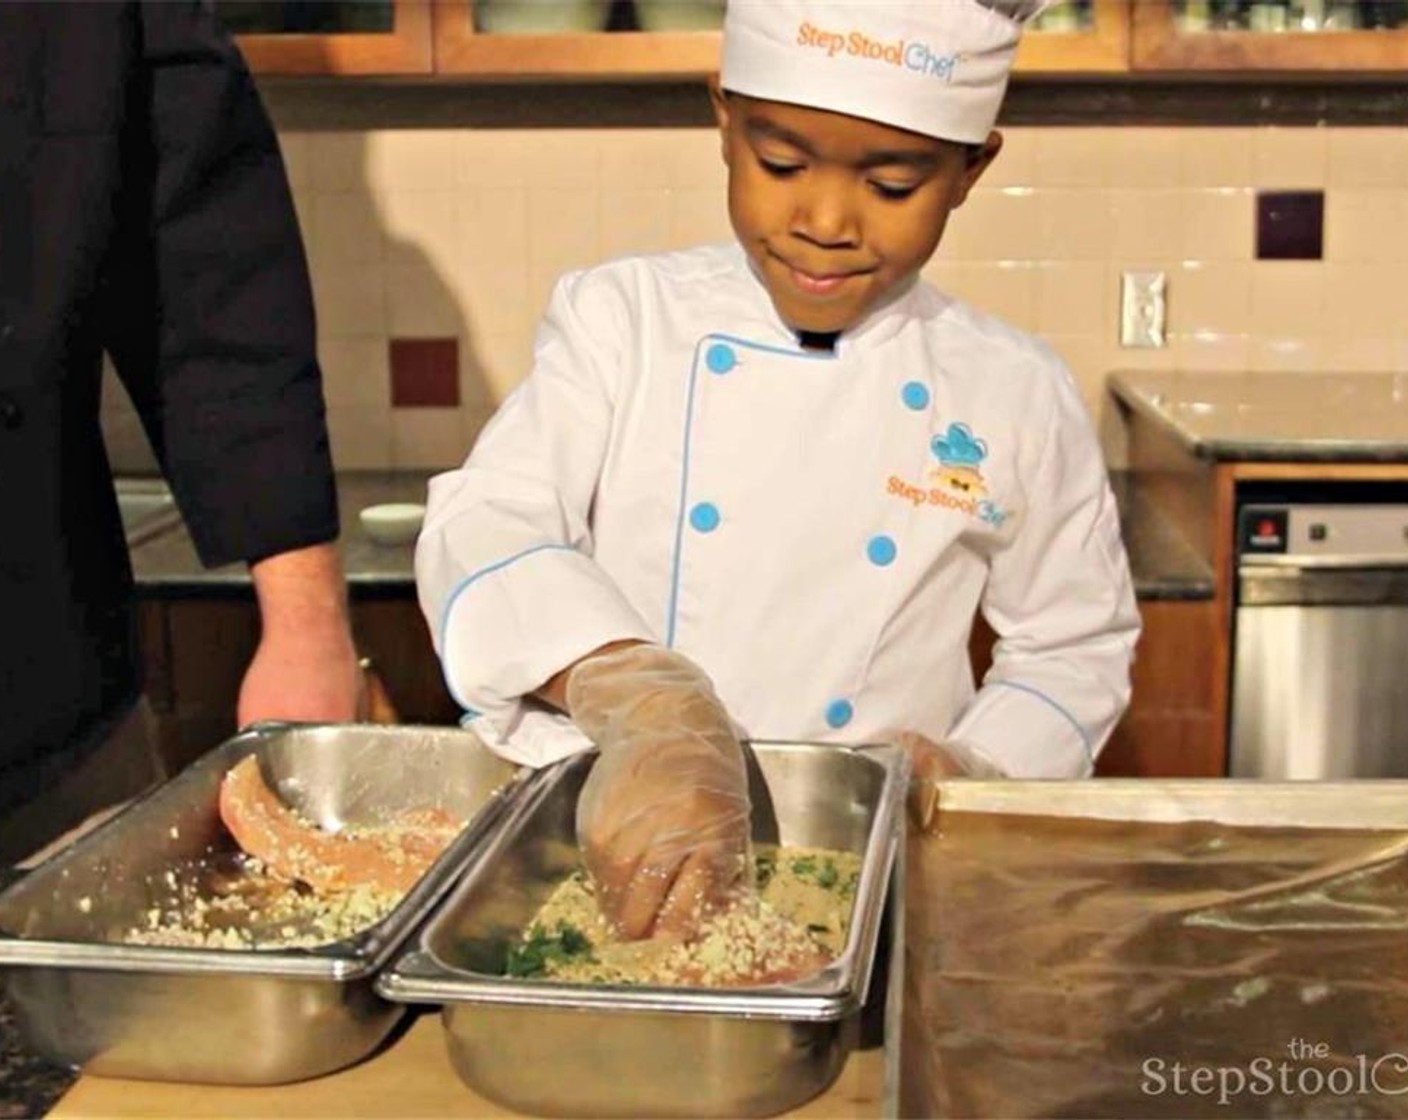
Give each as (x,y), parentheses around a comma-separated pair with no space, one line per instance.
(815,529)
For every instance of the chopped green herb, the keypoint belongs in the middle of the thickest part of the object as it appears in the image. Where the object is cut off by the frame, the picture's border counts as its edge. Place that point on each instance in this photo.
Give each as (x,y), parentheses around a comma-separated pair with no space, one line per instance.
(804,866)
(828,876)
(542,948)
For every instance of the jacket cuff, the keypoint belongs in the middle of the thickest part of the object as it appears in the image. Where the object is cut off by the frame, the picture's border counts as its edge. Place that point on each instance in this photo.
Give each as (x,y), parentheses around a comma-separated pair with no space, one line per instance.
(509,628)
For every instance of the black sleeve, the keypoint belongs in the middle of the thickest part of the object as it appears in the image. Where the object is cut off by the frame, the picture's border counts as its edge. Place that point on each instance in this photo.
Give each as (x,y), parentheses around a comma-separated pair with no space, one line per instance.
(210,313)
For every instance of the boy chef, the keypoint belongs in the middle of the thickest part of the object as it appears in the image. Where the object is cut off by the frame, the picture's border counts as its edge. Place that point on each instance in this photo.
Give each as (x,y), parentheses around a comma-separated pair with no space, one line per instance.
(761,488)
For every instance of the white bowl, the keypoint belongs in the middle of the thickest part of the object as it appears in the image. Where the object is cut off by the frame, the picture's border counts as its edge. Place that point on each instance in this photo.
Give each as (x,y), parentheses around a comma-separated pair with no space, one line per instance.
(392,523)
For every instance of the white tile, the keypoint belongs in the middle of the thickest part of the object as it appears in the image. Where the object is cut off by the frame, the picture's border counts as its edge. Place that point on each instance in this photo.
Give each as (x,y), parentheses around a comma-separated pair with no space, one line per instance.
(1216,157)
(1369,225)
(493,157)
(400,160)
(1285,354)
(506,359)
(1364,299)
(1004,289)
(1368,157)
(1146,225)
(698,216)
(1289,158)
(1015,165)
(1145,157)
(422,303)
(1213,351)
(1219,224)
(1212,298)
(356,372)
(1074,225)
(351,301)
(493,248)
(564,228)
(360,437)
(994,224)
(1358,353)
(1072,298)
(337,161)
(428,438)
(696,159)
(1074,157)
(563,159)
(634,221)
(637,159)
(420,229)
(1288,298)
(346,229)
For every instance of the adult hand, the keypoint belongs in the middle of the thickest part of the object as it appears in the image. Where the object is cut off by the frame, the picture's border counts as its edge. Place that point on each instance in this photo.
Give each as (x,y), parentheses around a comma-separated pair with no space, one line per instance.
(305,667)
(663,817)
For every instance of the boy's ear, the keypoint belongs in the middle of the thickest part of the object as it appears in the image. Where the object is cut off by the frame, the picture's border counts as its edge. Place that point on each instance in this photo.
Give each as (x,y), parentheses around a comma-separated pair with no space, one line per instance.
(978,162)
(719,101)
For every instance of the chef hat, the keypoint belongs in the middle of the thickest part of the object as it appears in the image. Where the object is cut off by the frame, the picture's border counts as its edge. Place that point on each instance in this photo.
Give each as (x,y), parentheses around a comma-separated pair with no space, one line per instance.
(938,67)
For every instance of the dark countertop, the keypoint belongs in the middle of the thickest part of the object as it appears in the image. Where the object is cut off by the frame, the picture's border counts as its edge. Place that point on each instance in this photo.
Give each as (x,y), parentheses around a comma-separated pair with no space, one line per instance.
(1163,565)
(1301,417)
(167,564)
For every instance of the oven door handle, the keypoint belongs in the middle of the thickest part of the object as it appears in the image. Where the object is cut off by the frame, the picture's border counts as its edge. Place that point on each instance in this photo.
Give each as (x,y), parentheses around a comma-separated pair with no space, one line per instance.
(1282,585)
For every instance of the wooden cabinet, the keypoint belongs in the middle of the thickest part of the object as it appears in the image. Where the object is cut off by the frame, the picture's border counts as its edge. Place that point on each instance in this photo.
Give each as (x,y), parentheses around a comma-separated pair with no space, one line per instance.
(195,651)
(1308,36)
(1097,43)
(1109,38)
(334,37)
(1173,727)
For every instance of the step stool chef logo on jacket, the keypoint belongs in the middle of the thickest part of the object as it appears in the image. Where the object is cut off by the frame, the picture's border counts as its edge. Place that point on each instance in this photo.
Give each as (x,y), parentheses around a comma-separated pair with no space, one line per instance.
(789,458)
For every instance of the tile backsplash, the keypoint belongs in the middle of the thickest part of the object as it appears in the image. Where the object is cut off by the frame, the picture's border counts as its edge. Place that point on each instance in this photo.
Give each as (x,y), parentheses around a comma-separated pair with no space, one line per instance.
(456,235)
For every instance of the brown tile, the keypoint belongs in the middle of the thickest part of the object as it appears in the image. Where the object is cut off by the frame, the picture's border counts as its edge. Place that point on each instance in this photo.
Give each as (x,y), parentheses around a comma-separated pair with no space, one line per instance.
(425,373)
(1290,225)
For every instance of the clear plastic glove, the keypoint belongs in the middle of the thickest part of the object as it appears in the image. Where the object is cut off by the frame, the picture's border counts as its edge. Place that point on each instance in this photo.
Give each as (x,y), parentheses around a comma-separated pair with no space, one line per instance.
(663,817)
(930,763)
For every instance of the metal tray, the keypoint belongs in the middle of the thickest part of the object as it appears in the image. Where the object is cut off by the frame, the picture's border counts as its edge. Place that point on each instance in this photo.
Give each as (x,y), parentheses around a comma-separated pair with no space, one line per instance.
(549,1048)
(245,1017)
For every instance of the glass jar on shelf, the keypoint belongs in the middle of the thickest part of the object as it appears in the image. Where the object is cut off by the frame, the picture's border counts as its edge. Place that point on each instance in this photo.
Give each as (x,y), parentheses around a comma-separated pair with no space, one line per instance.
(540,17)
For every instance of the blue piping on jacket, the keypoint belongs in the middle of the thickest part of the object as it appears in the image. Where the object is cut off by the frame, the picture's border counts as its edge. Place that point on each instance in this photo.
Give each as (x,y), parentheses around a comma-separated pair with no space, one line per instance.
(806,355)
(1084,738)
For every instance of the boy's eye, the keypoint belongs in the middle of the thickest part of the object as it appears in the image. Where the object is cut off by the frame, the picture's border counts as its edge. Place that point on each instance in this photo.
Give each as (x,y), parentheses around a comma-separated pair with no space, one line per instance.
(893,191)
(780,169)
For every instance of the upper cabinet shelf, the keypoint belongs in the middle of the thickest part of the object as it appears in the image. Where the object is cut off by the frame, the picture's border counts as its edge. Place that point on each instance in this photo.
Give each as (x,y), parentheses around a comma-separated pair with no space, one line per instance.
(1289,36)
(332,37)
(645,40)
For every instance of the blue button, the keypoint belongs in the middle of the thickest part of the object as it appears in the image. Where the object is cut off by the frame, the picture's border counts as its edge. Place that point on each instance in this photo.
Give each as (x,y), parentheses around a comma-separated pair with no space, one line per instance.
(839,713)
(705,517)
(915,395)
(720,358)
(880,550)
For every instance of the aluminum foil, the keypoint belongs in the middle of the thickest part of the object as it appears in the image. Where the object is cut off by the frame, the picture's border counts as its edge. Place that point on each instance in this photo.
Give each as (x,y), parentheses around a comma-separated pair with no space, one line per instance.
(1077,967)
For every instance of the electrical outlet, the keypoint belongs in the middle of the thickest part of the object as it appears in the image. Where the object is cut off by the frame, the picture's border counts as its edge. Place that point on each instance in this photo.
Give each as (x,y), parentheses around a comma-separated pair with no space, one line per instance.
(1142,310)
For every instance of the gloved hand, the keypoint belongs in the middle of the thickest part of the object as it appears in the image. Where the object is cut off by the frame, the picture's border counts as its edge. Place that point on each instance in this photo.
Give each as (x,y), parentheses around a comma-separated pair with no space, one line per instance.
(663,817)
(931,762)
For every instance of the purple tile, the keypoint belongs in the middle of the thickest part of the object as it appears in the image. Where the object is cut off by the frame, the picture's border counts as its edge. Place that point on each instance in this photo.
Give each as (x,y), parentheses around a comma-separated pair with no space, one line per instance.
(425,372)
(1290,225)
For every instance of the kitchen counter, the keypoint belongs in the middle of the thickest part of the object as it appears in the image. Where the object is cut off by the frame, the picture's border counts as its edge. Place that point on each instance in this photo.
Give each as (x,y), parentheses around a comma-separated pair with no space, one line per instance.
(1301,417)
(411,1077)
(1163,565)
(168,564)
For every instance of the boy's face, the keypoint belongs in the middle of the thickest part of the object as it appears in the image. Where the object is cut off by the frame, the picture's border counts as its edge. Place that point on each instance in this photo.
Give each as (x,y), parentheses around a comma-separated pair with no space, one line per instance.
(836,212)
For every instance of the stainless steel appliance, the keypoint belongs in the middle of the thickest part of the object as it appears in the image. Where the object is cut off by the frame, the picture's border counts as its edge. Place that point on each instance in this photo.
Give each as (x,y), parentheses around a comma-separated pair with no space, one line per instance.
(1320,647)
